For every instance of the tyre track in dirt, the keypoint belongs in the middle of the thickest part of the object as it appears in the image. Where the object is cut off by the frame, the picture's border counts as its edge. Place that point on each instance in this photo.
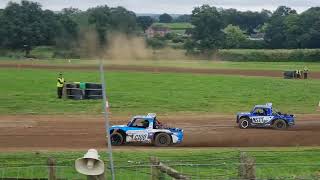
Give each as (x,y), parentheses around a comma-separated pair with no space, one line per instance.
(83,132)
(242,72)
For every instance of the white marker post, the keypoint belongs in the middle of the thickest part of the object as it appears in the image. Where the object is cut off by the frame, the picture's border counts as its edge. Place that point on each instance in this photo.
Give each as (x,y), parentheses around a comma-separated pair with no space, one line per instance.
(105,106)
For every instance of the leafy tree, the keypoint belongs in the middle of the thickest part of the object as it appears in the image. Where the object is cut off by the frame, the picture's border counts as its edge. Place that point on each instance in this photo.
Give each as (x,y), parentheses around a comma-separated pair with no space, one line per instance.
(70,11)
(165,18)
(100,17)
(207,34)
(156,43)
(27,24)
(248,20)
(293,31)
(283,11)
(310,22)
(108,19)
(2,30)
(276,29)
(234,36)
(68,33)
(144,22)
(122,20)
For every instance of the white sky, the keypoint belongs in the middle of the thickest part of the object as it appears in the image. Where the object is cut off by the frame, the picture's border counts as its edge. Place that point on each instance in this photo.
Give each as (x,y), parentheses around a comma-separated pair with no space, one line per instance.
(174,6)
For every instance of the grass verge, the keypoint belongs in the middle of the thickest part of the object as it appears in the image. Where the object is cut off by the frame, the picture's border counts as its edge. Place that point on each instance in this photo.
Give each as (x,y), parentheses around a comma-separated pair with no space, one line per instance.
(28,91)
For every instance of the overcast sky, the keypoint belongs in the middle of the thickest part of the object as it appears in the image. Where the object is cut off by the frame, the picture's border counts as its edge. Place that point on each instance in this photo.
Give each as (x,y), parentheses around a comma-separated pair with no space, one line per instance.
(174,6)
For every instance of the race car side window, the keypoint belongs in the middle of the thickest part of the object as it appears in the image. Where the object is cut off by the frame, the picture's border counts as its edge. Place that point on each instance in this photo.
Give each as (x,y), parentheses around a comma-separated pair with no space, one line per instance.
(140,123)
(260,112)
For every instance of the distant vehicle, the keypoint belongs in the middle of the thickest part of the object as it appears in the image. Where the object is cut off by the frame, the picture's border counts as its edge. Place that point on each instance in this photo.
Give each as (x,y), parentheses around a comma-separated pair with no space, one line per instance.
(265,116)
(145,129)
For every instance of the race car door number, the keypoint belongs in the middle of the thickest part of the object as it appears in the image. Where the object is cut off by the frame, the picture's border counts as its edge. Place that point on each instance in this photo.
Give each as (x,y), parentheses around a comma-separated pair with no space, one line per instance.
(140,137)
(258,120)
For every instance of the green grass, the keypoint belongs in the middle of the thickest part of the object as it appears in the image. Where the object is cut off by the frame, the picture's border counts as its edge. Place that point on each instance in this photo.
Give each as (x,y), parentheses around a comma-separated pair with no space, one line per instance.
(198,163)
(175,26)
(28,91)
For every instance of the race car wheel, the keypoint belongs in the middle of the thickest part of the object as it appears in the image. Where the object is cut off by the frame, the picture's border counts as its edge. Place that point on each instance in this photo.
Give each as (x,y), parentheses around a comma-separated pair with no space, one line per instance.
(116,139)
(244,123)
(162,139)
(280,124)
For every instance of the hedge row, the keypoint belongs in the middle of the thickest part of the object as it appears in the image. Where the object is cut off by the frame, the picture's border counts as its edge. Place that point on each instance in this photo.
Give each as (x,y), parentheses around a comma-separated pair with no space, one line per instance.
(310,55)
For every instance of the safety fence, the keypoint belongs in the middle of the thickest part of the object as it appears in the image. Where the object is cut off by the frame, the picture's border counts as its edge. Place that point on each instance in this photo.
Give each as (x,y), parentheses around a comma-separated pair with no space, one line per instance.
(239,165)
(139,172)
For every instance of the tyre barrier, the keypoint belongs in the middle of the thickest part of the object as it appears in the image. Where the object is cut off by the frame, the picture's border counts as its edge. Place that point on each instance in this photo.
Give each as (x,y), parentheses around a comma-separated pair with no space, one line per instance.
(289,74)
(77,91)
(93,86)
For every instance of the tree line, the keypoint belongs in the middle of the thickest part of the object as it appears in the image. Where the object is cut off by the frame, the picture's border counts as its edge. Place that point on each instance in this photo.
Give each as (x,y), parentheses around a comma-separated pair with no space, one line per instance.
(282,29)
(26,24)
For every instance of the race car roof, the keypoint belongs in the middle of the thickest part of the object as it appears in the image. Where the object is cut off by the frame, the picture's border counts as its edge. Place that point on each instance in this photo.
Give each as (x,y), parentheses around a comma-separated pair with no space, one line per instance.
(148,116)
(268,105)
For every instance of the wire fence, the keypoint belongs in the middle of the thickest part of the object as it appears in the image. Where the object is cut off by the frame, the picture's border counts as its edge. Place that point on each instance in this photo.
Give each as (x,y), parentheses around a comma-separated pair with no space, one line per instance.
(203,165)
(193,171)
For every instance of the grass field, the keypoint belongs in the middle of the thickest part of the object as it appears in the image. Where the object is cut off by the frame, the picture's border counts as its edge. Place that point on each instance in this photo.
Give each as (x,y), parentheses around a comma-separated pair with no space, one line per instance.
(28,91)
(198,163)
(175,26)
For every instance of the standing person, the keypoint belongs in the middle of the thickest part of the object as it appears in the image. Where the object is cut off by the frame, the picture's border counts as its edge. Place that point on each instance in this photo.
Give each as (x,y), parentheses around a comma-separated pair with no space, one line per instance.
(299,74)
(305,72)
(296,73)
(60,85)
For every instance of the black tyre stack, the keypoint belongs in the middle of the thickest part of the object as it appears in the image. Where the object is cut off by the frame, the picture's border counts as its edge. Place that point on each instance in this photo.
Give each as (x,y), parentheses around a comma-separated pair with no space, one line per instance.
(91,91)
(289,75)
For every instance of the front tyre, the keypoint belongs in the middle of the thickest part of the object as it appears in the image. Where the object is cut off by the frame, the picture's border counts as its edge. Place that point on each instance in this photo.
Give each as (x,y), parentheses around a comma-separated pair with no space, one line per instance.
(280,124)
(116,139)
(244,123)
(162,140)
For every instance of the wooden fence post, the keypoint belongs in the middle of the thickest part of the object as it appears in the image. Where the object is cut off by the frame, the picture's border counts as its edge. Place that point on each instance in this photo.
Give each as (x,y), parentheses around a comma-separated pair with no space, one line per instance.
(52,168)
(155,171)
(247,169)
(158,170)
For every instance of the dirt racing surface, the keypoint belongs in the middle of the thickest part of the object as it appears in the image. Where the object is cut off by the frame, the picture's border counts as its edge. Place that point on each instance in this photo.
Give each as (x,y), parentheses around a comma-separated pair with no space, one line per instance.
(267,73)
(29,132)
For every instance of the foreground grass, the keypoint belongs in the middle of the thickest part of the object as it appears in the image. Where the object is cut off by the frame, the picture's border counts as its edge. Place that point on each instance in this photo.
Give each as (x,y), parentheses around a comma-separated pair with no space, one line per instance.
(211,163)
(198,64)
(34,92)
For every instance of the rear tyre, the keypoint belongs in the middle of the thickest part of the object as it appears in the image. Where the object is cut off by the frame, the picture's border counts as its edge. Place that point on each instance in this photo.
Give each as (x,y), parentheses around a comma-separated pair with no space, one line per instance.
(162,139)
(116,139)
(244,123)
(280,124)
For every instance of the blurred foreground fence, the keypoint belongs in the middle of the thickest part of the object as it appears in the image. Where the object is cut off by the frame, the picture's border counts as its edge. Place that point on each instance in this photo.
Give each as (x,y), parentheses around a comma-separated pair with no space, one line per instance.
(239,166)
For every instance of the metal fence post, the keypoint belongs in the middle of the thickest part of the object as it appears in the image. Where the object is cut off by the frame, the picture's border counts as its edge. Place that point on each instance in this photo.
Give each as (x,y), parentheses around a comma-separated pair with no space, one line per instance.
(52,168)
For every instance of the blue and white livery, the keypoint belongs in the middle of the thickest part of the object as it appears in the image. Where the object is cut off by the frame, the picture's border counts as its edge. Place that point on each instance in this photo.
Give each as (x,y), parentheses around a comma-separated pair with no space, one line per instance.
(265,116)
(145,129)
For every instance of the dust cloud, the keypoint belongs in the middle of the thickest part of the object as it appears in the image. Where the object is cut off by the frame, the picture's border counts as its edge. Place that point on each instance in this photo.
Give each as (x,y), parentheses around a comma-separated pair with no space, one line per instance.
(124,47)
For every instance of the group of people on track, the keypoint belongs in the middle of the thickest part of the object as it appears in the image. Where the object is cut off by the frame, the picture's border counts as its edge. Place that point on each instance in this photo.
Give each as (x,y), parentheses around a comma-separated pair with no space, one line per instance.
(299,74)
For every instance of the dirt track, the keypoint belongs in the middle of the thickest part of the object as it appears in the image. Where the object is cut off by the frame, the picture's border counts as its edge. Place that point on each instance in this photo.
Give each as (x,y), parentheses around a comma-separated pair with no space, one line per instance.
(19,133)
(268,73)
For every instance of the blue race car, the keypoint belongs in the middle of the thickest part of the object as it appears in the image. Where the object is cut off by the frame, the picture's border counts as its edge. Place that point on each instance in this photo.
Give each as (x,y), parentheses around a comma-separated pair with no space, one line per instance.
(265,116)
(145,129)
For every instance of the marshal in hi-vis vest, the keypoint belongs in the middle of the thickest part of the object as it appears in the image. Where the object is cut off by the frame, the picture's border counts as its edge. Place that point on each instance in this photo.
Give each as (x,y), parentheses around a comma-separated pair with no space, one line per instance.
(60,82)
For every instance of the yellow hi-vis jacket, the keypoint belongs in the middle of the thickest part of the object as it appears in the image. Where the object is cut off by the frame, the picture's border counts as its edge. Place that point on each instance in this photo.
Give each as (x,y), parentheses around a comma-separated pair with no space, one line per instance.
(60,82)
